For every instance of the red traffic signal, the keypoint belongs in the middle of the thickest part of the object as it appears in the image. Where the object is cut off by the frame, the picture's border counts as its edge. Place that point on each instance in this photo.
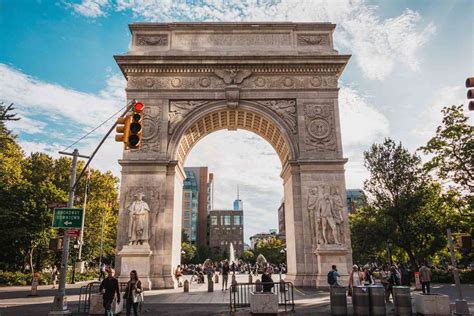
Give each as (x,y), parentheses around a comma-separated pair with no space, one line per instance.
(138,107)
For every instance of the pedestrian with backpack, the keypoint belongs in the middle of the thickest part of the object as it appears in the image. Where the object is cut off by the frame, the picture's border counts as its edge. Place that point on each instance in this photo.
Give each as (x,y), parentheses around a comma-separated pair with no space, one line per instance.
(332,276)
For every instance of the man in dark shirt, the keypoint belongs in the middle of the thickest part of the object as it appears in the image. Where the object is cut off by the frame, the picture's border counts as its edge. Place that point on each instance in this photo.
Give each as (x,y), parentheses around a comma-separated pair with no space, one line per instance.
(108,288)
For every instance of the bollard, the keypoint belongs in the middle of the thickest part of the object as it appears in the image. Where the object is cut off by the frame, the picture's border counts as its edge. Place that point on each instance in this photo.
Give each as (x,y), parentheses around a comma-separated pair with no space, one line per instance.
(402,300)
(216,279)
(250,278)
(258,286)
(186,286)
(282,286)
(338,300)
(234,284)
(360,301)
(377,300)
(210,286)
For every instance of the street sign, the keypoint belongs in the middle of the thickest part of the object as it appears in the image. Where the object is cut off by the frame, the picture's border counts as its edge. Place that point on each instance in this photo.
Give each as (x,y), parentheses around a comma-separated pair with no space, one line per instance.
(73,232)
(56,205)
(67,217)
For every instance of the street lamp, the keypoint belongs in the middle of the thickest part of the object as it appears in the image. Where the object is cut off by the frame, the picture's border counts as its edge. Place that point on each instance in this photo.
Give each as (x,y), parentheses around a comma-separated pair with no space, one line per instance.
(282,252)
(390,245)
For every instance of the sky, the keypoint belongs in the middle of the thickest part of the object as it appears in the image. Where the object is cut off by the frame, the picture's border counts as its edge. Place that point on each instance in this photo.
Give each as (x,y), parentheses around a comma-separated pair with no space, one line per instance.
(409,59)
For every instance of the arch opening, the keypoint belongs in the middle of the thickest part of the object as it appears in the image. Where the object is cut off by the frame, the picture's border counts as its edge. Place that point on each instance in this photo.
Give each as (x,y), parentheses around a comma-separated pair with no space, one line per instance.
(233,119)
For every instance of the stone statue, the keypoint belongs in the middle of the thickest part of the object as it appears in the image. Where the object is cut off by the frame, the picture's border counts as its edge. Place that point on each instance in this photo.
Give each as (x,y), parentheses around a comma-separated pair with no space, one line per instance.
(313,202)
(138,227)
(338,208)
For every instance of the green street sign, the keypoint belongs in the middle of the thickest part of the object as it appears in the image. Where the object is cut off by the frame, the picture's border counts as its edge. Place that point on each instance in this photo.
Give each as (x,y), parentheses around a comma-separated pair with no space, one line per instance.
(67,217)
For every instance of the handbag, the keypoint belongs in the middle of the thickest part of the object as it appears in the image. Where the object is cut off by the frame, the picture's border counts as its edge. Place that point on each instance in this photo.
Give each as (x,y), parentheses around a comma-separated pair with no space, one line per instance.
(137,297)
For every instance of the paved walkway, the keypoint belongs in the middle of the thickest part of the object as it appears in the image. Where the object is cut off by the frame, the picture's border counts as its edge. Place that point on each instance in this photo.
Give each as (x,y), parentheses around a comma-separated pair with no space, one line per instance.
(14,300)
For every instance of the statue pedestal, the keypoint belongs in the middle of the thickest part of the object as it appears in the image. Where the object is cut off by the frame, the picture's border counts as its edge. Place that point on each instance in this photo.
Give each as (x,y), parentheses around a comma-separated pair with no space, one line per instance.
(328,255)
(136,257)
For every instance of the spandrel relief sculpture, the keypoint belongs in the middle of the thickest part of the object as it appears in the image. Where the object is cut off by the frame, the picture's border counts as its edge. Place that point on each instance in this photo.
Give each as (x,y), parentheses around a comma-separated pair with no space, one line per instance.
(325,209)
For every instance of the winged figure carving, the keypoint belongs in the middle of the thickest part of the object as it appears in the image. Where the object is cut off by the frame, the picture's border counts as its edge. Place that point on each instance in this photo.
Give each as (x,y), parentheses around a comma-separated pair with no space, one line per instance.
(232,76)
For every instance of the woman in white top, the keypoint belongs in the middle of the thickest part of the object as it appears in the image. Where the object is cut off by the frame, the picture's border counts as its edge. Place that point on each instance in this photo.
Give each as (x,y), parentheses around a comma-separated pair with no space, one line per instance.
(355,278)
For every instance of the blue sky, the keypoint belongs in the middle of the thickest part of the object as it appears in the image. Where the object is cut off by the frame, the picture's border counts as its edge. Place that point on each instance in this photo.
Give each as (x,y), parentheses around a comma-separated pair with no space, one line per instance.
(409,59)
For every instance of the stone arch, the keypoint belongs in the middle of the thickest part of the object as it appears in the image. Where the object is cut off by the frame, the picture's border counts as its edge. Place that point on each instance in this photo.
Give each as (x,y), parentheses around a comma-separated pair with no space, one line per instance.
(248,116)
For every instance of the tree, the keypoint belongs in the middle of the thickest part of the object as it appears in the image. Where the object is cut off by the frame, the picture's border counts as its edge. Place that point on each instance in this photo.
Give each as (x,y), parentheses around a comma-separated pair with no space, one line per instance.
(453,149)
(271,249)
(404,205)
(248,256)
(188,252)
(6,114)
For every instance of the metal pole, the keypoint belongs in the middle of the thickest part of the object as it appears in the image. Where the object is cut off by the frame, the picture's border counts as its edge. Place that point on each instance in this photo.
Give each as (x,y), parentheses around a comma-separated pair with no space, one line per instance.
(101,238)
(60,300)
(457,281)
(81,237)
(462,308)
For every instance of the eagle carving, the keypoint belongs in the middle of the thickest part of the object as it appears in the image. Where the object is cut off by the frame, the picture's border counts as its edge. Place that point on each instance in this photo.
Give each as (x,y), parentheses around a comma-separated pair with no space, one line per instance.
(232,76)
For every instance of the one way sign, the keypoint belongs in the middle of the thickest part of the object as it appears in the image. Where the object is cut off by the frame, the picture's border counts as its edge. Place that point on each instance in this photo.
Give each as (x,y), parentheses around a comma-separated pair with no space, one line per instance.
(67,217)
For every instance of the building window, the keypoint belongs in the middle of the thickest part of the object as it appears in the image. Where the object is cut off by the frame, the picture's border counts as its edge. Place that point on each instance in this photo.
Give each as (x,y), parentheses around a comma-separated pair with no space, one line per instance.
(237,220)
(227,220)
(213,220)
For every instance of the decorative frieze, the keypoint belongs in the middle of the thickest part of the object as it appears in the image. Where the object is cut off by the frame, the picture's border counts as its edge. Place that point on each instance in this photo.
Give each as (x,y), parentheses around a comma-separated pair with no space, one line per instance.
(179,109)
(290,82)
(151,40)
(286,109)
(217,82)
(320,132)
(312,40)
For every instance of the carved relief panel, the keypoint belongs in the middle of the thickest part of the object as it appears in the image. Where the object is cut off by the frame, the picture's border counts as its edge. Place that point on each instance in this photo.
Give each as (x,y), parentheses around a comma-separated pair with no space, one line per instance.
(151,140)
(319,127)
(325,208)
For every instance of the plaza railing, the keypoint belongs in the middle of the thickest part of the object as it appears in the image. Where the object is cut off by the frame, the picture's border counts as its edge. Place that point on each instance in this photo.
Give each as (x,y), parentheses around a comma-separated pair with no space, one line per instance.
(240,294)
(86,291)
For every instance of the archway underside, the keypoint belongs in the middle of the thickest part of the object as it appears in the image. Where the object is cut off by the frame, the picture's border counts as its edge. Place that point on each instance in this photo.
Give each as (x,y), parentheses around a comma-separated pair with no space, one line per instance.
(233,120)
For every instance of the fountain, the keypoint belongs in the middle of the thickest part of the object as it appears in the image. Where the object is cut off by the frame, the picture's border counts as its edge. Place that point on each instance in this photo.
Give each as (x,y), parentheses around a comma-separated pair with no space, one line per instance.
(231,253)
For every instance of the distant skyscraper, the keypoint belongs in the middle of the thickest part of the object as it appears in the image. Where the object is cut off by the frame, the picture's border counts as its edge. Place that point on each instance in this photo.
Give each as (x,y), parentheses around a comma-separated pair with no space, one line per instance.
(238,204)
(198,198)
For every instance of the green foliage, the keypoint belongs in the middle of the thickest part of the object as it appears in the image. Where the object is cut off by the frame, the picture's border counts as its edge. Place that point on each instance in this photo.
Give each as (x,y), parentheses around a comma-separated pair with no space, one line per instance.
(272,249)
(188,252)
(248,256)
(27,185)
(453,149)
(404,205)
(20,278)
(446,276)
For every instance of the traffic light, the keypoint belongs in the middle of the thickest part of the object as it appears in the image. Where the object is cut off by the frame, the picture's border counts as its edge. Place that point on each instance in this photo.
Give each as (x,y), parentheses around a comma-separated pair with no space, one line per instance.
(470,92)
(136,126)
(123,130)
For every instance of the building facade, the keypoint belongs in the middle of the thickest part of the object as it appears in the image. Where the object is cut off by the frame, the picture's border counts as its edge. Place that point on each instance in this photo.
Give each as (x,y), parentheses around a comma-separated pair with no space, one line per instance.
(262,237)
(355,199)
(198,198)
(226,227)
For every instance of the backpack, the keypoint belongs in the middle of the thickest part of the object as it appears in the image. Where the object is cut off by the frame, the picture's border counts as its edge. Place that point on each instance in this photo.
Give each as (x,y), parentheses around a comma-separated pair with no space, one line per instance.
(331,278)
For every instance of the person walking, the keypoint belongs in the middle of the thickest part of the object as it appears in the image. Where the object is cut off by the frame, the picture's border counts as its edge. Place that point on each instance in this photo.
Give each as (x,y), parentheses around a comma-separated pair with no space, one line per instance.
(368,278)
(333,275)
(225,274)
(393,280)
(109,287)
(355,278)
(178,273)
(133,293)
(102,271)
(54,276)
(425,278)
(384,275)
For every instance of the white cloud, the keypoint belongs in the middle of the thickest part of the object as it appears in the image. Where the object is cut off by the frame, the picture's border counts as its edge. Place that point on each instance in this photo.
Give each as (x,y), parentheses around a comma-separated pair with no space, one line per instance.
(377,44)
(38,103)
(91,8)
(361,123)
(430,118)
(33,96)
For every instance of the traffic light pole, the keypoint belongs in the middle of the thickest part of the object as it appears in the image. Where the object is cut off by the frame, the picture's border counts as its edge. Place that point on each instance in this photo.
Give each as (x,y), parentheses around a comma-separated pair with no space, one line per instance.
(60,299)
